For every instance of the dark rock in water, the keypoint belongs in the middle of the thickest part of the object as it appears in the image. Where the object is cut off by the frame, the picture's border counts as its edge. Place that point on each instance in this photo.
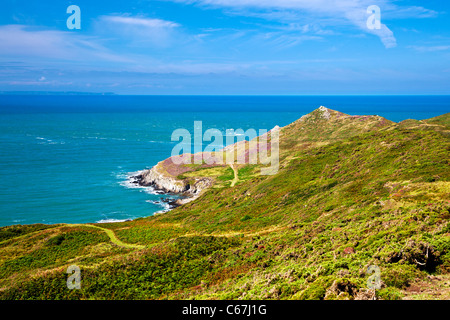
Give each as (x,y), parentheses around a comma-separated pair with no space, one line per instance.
(164,184)
(160,180)
(173,204)
(137,179)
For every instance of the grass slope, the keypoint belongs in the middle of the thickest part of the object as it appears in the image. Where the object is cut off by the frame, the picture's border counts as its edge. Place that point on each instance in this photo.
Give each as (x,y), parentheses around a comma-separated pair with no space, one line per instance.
(351,192)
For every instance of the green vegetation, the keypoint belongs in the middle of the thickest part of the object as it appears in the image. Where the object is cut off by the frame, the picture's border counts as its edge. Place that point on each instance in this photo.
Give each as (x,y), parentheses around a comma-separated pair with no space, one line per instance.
(351,192)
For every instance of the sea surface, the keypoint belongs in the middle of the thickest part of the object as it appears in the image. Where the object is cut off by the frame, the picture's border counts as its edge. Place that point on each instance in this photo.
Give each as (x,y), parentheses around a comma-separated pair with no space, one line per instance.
(66,158)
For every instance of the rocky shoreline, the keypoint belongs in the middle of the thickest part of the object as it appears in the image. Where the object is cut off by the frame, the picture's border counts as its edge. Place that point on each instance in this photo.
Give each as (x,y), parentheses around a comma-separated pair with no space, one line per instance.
(139,180)
(162,183)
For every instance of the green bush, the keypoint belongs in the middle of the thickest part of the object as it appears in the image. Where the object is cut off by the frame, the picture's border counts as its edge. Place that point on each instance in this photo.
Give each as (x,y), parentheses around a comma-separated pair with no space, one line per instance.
(389,294)
(316,290)
(56,240)
(399,275)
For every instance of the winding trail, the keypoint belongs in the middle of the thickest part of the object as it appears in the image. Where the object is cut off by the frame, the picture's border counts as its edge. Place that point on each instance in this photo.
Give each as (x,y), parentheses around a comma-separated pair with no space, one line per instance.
(236,178)
(112,236)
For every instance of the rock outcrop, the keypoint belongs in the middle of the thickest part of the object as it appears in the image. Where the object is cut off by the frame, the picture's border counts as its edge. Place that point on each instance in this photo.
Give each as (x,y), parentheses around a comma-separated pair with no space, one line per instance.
(158,178)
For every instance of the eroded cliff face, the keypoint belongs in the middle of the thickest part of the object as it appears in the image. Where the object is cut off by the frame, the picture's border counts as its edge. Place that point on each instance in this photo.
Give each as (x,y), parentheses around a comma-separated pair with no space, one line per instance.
(158,178)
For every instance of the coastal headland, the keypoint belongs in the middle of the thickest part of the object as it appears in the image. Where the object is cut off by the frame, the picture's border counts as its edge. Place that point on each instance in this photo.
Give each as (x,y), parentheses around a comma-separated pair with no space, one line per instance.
(352,194)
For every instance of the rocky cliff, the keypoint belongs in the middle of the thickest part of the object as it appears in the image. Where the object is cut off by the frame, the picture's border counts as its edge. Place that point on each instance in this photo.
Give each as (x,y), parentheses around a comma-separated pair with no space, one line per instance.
(160,179)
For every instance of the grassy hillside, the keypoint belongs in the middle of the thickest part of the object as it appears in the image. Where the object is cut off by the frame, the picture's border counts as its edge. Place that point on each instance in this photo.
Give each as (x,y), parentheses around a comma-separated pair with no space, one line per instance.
(351,192)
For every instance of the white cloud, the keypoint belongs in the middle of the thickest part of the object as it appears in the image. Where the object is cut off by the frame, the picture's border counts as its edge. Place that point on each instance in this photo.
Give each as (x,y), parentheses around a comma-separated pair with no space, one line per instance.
(142,22)
(329,12)
(51,45)
(386,36)
(359,18)
(396,12)
(139,31)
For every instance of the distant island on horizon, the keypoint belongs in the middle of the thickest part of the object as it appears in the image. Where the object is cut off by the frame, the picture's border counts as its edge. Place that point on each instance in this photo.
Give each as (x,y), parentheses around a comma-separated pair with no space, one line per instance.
(57,93)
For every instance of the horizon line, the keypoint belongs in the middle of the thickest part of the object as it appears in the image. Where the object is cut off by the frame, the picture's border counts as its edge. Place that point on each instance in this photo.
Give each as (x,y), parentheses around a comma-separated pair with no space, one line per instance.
(75,93)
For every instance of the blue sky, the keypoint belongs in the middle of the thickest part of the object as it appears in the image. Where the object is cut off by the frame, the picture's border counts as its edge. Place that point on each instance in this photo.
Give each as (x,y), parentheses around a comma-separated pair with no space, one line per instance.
(226,47)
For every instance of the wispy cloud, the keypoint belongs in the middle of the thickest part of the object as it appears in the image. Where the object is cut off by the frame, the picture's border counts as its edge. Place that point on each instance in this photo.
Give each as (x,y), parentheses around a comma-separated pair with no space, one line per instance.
(329,12)
(430,48)
(43,47)
(137,30)
(48,45)
(141,22)
(415,12)
(250,46)
(359,18)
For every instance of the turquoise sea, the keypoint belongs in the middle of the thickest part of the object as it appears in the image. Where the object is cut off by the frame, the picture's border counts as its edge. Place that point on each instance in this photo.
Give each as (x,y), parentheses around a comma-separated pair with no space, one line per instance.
(66,158)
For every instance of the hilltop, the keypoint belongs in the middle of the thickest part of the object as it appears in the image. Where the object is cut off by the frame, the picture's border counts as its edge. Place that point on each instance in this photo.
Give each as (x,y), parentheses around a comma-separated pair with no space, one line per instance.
(320,127)
(351,192)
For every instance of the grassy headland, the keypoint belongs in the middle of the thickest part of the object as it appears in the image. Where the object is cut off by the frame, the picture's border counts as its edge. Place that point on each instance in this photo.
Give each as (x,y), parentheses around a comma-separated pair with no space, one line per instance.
(351,192)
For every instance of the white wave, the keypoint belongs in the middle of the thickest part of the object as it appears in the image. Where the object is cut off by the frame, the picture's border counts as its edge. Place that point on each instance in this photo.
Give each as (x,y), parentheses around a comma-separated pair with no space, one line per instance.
(112,220)
(151,190)
(130,183)
(101,138)
(234,134)
(165,207)
(120,175)
(48,141)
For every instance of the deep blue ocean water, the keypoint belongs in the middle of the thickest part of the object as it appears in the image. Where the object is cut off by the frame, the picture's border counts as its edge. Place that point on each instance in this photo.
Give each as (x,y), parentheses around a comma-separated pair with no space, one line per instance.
(67,158)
